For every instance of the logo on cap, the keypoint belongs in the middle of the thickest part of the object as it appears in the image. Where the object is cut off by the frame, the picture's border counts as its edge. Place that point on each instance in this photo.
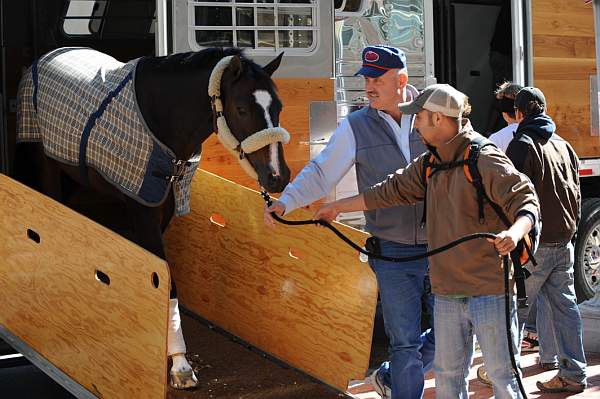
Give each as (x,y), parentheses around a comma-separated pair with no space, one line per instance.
(371,56)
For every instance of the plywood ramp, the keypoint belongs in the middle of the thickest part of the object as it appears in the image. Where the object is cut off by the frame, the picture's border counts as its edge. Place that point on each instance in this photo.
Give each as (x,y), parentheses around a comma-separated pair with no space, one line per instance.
(110,339)
(297,293)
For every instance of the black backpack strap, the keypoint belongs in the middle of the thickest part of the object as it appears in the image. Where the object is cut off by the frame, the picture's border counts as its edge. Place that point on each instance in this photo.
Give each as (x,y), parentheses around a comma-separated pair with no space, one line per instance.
(474,177)
(425,174)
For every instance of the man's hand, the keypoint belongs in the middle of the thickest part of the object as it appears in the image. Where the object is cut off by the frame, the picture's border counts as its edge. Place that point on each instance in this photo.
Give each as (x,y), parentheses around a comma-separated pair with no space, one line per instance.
(278,207)
(505,242)
(327,212)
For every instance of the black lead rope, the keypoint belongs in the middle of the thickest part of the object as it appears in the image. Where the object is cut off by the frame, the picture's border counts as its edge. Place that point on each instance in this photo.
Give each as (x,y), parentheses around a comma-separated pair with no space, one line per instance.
(513,362)
(370,254)
(435,251)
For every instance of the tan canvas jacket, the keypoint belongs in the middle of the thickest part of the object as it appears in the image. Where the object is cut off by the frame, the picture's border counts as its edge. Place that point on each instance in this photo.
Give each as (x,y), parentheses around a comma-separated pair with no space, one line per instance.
(473,268)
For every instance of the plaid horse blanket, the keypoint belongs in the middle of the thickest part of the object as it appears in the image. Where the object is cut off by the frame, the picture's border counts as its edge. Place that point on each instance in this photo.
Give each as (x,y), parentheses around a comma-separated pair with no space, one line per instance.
(81,105)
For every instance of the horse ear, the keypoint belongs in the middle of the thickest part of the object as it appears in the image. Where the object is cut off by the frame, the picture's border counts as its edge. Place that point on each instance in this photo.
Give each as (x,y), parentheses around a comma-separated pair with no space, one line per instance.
(273,65)
(235,66)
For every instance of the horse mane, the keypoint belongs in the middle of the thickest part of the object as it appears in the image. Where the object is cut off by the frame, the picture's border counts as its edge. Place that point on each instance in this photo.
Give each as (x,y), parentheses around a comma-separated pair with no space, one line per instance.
(206,58)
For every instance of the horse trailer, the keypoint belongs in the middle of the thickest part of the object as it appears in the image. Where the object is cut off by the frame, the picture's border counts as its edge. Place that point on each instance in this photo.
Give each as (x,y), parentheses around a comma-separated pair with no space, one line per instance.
(471,44)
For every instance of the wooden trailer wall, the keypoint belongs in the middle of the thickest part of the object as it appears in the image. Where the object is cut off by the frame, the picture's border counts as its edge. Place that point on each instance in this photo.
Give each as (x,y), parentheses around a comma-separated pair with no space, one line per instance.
(564,58)
(296,95)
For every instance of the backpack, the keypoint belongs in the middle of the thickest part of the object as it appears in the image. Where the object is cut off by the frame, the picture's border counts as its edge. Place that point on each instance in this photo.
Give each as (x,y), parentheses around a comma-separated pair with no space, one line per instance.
(524,251)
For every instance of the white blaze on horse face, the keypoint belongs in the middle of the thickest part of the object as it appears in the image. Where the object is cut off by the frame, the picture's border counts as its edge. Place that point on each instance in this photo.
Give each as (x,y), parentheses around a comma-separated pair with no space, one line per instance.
(264,99)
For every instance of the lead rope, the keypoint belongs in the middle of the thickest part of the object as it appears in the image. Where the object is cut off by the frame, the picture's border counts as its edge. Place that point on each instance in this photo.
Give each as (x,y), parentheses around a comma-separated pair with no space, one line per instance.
(427,254)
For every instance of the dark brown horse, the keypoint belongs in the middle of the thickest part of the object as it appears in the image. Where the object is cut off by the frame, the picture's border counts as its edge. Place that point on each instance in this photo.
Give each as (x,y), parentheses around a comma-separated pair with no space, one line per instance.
(172,95)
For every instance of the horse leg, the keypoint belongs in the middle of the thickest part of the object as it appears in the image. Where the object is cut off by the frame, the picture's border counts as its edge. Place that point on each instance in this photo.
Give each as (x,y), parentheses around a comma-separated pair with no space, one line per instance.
(148,232)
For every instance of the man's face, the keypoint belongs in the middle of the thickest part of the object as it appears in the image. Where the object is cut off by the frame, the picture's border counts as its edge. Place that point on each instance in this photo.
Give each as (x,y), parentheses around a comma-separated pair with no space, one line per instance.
(384,92)
(424,123)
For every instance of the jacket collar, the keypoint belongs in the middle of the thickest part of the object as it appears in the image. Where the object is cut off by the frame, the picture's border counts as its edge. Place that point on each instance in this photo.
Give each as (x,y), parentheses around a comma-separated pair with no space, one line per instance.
(454,149)
(541,125)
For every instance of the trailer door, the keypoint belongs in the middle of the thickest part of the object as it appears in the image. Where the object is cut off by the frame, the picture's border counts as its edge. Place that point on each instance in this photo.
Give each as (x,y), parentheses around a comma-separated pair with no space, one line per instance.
(521,42)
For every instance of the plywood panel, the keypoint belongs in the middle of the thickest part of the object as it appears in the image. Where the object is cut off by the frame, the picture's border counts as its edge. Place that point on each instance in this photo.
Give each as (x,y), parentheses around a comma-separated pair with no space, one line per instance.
(548,21)
(564,46)
(564,60)
(563,68)
(569,105)
(296,95)
(562,6)
(314,310)
(111,339)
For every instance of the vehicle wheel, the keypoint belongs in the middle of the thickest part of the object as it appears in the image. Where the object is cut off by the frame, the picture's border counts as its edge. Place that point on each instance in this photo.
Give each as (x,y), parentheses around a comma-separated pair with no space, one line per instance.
(587,251)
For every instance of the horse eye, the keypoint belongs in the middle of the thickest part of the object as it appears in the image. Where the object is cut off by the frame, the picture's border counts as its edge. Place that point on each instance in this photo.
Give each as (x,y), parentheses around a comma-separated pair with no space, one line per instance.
(242,110)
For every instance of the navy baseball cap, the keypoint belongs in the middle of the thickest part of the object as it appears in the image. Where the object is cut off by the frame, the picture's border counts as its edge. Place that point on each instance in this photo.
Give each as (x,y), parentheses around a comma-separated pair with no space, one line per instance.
(377,60)
(529,99)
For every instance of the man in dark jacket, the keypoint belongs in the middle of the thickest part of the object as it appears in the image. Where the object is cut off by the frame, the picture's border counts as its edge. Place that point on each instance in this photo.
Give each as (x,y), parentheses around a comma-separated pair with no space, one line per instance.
(552,165)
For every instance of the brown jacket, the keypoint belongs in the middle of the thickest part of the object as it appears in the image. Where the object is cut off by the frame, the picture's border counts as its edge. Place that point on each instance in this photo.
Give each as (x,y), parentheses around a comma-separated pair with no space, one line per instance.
(472,268)
(553,167)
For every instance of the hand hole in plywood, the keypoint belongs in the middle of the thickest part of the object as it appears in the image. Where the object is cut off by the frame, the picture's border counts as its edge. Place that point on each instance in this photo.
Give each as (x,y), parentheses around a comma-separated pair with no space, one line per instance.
(217,219)
(102,277)
(155,280)
(295,254)
(33,236)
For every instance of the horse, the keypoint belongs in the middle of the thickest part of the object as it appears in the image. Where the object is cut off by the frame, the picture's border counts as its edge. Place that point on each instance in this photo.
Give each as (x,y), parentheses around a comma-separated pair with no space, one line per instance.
(179,100)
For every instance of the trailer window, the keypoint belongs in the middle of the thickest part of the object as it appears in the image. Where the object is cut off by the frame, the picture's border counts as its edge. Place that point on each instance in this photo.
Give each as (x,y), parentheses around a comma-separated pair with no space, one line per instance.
(109,19)
(261,26)
(350,8)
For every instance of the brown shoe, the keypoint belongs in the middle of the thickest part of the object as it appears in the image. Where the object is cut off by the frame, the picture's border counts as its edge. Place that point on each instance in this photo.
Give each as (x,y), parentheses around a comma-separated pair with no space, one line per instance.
(559,384)
(483,377)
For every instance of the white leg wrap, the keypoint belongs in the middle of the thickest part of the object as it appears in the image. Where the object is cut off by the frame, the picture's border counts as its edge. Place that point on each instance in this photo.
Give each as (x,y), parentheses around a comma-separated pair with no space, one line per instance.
(175,342)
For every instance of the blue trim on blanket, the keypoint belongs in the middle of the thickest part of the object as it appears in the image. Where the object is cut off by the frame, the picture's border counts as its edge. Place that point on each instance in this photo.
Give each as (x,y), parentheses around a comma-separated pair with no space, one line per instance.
(34,77)
(85,135)
(154,189)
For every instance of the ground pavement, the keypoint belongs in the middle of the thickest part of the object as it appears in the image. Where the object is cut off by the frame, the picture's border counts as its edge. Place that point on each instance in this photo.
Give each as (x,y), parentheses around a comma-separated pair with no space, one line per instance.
(477,390)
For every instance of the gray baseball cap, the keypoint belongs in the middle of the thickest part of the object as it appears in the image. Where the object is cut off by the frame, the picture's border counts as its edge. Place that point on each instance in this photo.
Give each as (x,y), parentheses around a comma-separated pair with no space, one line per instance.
(441,98)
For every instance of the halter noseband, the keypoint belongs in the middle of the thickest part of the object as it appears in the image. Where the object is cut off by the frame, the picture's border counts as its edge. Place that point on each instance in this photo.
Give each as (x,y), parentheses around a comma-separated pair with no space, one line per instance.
(251,143)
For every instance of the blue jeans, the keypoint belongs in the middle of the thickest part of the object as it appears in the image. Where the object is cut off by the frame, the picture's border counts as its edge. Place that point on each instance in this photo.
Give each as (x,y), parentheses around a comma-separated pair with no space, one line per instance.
(552,282)
(456,320)
(539,320)
(403,288)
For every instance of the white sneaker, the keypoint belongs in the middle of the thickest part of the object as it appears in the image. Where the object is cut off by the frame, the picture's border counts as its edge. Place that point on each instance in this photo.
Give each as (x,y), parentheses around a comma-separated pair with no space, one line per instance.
(383,390)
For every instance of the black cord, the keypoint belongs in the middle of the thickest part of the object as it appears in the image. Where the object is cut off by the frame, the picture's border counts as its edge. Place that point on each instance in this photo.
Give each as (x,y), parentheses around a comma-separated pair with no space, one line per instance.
(508,326)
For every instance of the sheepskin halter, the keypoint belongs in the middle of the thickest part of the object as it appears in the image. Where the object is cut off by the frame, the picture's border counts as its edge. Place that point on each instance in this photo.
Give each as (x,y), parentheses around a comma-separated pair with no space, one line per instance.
(251,143)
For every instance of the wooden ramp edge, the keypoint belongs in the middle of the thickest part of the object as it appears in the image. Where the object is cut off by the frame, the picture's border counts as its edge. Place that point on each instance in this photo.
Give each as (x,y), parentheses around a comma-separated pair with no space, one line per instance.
(89,302)
(297,293)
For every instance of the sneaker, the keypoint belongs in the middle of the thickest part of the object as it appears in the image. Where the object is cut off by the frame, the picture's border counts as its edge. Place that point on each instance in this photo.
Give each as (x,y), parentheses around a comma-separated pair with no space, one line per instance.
(483,377)
(378,385)
(529,344)
(559,384)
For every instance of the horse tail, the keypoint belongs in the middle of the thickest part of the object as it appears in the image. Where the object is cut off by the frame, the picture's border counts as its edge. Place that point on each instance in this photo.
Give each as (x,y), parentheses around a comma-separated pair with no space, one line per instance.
(23,158)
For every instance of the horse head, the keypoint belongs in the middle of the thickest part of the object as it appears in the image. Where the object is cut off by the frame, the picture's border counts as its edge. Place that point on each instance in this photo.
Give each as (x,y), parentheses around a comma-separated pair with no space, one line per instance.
(251,108)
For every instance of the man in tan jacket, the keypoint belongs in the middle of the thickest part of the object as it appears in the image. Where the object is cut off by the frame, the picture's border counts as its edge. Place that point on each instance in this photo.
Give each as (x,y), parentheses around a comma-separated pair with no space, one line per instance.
(467,280)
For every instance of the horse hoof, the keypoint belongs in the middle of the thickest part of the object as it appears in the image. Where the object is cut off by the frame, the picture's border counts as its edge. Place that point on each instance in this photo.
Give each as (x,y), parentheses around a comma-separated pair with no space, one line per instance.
(184,379)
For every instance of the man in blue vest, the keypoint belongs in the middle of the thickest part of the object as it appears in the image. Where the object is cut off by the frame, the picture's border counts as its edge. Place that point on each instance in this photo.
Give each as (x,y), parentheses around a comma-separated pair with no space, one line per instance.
(378,140)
